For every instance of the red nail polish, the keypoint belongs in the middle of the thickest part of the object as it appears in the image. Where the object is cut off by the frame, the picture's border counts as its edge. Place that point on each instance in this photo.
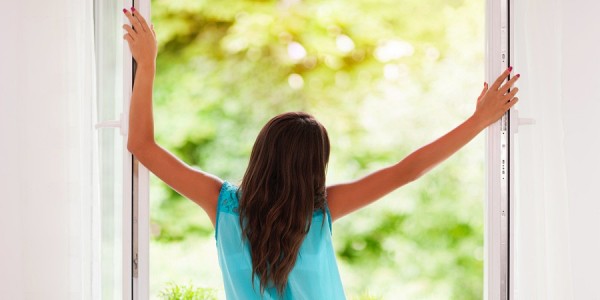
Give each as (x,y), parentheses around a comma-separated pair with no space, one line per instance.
(518,75)
(124,10)
(510,68)
(132,8)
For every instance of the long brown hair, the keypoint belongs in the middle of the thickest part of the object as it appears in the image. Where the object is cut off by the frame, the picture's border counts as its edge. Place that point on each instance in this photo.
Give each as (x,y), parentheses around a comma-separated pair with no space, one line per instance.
(282,187)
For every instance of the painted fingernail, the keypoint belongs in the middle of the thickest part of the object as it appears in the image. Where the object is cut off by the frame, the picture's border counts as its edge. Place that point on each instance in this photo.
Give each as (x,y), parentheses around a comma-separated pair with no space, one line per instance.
(510,68)
(518,75)
(132,8)
(124,10)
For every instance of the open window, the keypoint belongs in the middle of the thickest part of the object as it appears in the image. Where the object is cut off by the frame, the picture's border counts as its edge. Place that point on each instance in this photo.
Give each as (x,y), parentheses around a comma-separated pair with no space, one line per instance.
(123,236)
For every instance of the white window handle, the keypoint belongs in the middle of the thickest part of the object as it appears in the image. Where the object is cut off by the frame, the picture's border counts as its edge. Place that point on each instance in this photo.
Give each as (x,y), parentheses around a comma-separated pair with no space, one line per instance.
(526,121)
(521,121)
(120,123)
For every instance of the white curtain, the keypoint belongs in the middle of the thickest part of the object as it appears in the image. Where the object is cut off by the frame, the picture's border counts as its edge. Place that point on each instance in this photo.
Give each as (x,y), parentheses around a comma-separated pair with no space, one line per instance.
(48,179)
(556,43)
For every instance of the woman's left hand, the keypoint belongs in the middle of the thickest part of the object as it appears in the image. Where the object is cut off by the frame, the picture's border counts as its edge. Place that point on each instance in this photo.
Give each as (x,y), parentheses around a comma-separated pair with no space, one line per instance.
(141,38)
(495,101)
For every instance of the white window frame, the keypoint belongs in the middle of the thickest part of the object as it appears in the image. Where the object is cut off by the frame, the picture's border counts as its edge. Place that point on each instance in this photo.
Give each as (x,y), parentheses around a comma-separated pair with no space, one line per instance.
(135,209)
(499,227)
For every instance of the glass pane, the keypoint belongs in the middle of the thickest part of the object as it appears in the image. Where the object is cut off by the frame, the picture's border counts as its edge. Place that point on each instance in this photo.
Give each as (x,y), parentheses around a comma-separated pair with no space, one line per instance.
(109,66)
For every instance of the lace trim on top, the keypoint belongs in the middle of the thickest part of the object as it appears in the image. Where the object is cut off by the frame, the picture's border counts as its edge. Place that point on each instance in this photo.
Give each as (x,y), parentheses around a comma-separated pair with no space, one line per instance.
(228,199)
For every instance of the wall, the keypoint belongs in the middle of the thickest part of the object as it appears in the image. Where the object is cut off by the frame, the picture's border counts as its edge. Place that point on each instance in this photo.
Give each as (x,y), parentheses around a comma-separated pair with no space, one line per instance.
(581,93)
(11,241)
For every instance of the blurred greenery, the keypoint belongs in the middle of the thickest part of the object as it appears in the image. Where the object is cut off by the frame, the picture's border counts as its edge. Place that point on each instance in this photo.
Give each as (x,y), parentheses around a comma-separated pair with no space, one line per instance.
(384,77)
(187,292)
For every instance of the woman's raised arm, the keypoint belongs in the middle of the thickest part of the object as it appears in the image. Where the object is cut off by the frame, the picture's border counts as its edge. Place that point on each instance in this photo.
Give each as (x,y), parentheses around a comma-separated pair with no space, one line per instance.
(491,105)
(198,186)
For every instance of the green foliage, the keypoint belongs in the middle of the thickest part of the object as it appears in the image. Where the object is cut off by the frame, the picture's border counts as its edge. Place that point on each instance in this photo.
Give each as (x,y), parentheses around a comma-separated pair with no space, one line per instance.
(384,77)
(366,296)
(187,292)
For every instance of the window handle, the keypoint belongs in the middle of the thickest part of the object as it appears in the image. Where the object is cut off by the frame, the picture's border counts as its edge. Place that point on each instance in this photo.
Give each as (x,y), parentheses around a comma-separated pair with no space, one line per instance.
(526,121)
(522,121)
(120,123)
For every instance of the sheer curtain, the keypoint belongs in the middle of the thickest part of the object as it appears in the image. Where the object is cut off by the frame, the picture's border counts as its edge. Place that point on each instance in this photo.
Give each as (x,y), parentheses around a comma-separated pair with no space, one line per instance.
(48,173)
(557,211)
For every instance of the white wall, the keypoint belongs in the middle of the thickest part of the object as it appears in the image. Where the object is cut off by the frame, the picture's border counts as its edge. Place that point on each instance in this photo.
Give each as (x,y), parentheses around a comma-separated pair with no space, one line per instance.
(581,92)
(11,243)
(45,166)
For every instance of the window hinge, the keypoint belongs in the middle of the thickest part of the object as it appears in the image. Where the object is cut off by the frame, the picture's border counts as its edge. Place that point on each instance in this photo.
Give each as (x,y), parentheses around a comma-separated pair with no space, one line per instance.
(135,265)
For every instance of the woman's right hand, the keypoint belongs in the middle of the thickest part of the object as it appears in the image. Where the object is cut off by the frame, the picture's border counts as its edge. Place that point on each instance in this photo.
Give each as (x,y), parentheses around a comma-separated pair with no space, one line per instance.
(495,101)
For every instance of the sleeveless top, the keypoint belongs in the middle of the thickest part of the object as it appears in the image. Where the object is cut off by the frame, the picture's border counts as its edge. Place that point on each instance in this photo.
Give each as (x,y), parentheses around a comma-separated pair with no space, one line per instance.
(314,276)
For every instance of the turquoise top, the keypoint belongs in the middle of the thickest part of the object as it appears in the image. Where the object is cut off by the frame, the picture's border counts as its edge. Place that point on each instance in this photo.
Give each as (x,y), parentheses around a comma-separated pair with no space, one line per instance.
(315,275)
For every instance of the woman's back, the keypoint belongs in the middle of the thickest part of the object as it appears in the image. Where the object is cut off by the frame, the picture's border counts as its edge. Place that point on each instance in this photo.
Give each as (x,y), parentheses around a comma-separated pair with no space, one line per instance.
(315,274)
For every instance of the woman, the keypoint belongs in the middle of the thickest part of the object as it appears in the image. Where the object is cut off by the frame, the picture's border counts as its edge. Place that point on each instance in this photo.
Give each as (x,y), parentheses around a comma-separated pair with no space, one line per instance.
(263,227)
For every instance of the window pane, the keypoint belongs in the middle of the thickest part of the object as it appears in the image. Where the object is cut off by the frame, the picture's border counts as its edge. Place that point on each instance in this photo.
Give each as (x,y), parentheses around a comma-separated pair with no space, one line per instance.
(109,66)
